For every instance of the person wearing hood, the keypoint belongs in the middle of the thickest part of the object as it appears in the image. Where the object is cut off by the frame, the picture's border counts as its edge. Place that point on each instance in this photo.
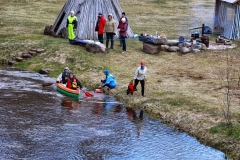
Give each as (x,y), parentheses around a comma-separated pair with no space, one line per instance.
(110,30)
(101,21)
(140,76)
(110,80)
(120,24)
(71,26)
(123,33)
(62,78)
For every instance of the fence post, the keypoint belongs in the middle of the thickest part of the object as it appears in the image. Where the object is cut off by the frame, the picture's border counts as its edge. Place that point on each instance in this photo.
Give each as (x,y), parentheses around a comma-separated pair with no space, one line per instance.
(203,26)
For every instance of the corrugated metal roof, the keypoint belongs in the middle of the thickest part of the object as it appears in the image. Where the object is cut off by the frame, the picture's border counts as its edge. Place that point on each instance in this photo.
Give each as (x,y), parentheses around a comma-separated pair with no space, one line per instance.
(230,1)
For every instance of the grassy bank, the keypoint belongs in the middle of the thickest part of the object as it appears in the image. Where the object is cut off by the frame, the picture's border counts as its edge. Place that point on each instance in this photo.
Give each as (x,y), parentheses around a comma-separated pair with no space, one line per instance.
(186,90)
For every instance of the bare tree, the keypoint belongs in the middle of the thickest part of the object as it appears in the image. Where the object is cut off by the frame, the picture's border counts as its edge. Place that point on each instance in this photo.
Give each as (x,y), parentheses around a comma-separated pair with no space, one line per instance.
(227,102)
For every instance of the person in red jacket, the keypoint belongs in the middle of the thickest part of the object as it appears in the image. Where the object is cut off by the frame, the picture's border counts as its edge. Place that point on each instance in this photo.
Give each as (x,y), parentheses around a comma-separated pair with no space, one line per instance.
(120,25)
(130,89)
(123,33)
(73,82)
(100,27)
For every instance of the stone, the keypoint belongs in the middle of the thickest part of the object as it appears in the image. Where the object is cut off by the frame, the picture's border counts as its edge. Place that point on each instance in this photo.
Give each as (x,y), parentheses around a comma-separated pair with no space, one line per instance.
(63,33)
(227,42)
(19,59)
(33,49)
(11,62)
(26,55)
(172,42)
(48,30)
(173,49)
(184,50)
(184,44)
(95,47)
(44,71)
(40,50)
(33,53)
(195,50)
(19,54)
(151,48)
(202,46)
(164,47)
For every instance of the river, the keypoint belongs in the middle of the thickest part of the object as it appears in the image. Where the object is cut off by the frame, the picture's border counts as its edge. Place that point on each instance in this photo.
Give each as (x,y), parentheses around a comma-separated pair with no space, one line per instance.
(40,123)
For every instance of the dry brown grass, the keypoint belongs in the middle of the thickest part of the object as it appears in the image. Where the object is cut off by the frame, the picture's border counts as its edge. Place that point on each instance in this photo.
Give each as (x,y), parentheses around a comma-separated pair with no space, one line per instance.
(177,86)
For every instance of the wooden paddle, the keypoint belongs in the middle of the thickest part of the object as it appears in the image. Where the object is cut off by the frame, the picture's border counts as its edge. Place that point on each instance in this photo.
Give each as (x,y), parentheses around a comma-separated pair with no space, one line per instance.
(47,84)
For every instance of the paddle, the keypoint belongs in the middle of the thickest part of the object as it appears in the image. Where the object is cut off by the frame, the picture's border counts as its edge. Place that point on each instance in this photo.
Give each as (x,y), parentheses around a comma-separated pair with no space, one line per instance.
(88,94)
(47,84)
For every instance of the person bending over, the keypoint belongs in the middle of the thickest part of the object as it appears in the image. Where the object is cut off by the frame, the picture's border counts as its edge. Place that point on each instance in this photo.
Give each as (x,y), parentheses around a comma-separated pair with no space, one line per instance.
(110,81)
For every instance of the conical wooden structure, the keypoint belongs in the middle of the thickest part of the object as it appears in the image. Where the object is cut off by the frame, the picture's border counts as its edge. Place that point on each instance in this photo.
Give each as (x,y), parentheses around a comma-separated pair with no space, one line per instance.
(87,12)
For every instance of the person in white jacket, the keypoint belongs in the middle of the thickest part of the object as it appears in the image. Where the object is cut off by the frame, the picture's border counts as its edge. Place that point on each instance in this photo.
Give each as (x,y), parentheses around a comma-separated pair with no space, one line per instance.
(62,78)
(140,76)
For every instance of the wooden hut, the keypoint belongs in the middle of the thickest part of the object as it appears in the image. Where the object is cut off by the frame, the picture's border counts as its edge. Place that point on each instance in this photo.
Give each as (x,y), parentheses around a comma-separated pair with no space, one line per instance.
(227,18)
(87,12)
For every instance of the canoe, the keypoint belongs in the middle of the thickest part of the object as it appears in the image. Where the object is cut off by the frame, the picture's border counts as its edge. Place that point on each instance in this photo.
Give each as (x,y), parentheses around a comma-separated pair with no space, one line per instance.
(67,91)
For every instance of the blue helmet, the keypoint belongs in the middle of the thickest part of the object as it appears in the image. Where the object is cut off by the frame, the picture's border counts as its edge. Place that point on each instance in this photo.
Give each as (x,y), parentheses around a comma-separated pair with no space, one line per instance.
(106,71)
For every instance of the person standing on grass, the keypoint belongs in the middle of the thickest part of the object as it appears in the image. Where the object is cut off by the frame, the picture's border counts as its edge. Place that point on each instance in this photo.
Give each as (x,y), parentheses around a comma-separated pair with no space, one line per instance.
(100,27)
(123,34)
(71,26)
(120,25)
(140,76)
(110,30)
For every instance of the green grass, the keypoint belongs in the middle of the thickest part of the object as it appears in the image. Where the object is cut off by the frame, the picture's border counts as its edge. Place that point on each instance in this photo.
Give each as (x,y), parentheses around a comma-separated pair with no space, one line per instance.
(222,129)
(182,85)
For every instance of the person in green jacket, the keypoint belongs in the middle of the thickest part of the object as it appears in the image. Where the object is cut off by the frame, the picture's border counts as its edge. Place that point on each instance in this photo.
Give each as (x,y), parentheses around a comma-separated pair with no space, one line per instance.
(71,26)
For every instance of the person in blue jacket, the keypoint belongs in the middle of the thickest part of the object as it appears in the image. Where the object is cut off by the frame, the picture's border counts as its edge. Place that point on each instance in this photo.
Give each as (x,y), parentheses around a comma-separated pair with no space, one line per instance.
(110,81)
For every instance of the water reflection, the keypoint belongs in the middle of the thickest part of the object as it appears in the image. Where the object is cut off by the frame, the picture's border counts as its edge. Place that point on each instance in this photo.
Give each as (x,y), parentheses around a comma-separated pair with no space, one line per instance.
(70,103)
(136,119)
(41,123)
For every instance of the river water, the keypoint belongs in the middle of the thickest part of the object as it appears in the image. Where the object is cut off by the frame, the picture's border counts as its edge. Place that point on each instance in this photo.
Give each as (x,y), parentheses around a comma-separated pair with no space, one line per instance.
(40,123)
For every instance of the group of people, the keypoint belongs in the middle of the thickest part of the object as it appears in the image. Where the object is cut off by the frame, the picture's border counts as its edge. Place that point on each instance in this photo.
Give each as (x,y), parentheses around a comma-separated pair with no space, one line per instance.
(109,27)
(139,76)
(103,26)
(68,79)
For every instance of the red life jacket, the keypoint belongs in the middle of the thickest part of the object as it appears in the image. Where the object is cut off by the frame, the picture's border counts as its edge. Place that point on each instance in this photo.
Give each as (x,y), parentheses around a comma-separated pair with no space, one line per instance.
(131,88)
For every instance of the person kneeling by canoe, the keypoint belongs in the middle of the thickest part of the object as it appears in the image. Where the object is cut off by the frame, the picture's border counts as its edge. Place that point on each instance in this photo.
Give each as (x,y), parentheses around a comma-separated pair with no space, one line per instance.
(73,82)
(110,81)
(62,78)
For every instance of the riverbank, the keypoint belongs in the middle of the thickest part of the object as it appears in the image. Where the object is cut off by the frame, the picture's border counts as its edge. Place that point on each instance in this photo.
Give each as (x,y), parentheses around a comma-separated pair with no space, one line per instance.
(185,91)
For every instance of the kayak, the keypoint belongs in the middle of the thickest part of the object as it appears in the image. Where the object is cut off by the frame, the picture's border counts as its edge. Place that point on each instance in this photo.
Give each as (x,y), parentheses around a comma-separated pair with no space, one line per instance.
(67,91)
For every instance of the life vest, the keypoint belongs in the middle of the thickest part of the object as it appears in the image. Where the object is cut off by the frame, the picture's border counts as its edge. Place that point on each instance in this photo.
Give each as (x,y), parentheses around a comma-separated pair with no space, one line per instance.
(74,83)
(71,19)
(64,75)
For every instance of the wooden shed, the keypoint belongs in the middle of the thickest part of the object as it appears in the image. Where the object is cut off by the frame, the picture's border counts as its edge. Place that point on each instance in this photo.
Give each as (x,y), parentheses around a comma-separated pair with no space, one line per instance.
(87,12)
(227,18)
